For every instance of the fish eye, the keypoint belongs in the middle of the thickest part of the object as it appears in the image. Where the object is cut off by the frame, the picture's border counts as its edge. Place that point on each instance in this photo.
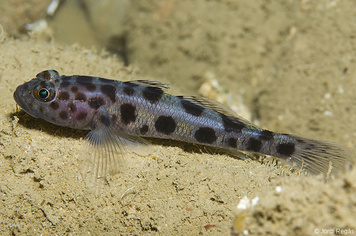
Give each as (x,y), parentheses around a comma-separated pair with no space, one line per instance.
(44,92)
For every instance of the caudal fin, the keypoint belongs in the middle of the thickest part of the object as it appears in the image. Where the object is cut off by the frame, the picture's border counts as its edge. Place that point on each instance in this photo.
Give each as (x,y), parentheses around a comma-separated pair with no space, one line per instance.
(314,156)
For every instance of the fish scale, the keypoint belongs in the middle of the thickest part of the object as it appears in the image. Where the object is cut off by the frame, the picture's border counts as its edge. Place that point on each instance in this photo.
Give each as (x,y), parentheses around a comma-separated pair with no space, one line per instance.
(116,111)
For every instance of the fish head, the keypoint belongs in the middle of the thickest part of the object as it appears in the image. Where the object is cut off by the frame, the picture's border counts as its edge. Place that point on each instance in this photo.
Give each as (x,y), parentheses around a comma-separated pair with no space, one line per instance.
(48,96)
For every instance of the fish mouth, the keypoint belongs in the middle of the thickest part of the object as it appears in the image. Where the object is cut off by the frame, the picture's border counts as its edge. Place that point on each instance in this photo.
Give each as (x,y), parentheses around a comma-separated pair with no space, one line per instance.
(19,99)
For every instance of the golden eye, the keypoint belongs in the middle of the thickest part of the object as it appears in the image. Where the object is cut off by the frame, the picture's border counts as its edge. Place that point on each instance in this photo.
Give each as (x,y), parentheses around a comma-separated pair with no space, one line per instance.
(44,92)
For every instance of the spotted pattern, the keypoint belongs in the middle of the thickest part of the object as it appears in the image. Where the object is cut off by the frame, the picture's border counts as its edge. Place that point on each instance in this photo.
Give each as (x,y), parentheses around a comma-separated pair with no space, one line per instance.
(144,129)
(254,145)
(54,105)
(231,124)
(80,97)
(266,135)
(63,95)
(192,108)
(105,120)
(205,135)
(165,125)
(113,118)
(152,94)
(96,102)
(109,91)
(148,111)
(82,115)
(286,149)
(129,90)
(232,142)
(87,82)
(65,84)
(72,107)
(128,113)
(63,115)
(74,89)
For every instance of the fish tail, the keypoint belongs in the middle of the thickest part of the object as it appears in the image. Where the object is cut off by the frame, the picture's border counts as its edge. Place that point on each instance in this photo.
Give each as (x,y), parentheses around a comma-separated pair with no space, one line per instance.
(314,156)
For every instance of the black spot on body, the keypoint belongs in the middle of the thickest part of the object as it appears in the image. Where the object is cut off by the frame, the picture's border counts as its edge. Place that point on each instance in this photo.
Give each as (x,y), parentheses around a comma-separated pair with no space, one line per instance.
(54,105)
(96,102)
(144,129)
(152,94)
(87,82)
(165,125)
(127,112)
(74,89)
(129,90)
(63,96)
(232,142)
(80,97)
(105,120)
(266,135)
(65,84)
(63,115)
(230,124)
(286,149)
(191,108)
(82,115)
(72,107)
(254,145)
(40,109)
(110,91)
(114,118)
(205,135)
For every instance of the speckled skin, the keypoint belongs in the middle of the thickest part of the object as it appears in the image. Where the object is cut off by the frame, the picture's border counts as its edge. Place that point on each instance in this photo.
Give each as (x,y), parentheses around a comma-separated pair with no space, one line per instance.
(141,108)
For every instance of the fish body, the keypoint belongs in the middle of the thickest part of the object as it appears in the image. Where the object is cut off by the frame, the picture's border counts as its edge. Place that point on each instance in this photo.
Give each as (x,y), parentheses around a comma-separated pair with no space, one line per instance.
(116,110)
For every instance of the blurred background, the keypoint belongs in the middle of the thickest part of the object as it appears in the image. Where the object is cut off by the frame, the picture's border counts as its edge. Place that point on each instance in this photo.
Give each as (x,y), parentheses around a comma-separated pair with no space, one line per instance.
(286,65)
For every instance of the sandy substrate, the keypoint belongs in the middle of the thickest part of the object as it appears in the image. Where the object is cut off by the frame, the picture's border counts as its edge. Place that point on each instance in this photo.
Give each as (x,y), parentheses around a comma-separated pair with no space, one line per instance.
(291,63)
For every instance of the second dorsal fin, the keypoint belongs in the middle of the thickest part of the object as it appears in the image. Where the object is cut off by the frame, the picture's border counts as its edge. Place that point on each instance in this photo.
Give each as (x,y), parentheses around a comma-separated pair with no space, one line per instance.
(150,83)
(217,107)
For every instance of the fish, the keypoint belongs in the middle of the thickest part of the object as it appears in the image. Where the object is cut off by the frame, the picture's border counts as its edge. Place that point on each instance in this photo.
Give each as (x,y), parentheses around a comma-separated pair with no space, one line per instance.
(120,113)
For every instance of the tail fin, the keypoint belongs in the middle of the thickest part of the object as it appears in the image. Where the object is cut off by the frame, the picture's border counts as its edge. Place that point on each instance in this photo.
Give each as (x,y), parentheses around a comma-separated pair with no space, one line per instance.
(311,155)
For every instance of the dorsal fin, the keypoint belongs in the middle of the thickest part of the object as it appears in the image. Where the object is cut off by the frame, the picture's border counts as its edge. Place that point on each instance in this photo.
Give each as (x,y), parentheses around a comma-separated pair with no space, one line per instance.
(217,107)
(150,83)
